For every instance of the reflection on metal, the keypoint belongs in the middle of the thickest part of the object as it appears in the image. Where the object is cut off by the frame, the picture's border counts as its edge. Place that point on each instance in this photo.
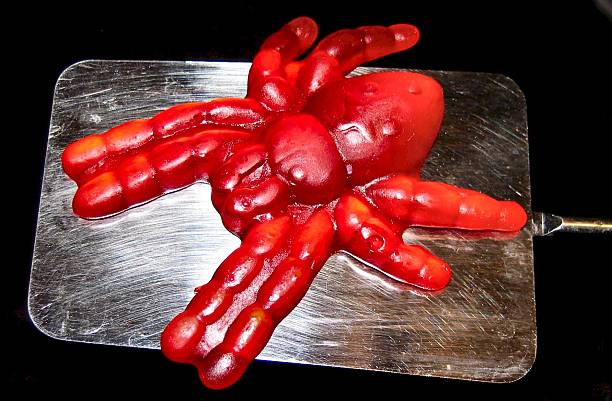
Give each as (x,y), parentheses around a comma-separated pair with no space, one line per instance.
(120,280)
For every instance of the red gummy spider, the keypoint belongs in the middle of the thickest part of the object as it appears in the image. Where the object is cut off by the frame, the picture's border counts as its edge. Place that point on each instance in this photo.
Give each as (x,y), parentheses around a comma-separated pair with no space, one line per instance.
(309,163)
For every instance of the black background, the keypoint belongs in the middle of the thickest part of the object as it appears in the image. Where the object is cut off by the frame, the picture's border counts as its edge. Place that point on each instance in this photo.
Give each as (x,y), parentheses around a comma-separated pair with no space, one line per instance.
(559,54)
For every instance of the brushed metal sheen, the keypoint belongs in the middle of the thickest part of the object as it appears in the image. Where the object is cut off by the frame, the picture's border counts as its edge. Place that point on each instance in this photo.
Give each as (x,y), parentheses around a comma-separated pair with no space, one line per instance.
(120,280)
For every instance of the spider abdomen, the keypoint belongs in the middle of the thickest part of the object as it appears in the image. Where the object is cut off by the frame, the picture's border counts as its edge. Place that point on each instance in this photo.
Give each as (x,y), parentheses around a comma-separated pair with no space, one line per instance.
(382,123)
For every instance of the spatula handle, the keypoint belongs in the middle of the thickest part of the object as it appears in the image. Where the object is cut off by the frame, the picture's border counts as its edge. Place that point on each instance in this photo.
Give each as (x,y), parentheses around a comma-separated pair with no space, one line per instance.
(547,224)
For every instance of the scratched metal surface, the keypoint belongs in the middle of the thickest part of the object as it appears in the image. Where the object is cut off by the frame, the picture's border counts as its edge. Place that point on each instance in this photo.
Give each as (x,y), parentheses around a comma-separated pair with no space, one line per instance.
(120,280)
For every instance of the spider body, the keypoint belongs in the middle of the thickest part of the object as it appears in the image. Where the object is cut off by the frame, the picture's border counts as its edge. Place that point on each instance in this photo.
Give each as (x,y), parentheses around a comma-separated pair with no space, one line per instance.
(308,164)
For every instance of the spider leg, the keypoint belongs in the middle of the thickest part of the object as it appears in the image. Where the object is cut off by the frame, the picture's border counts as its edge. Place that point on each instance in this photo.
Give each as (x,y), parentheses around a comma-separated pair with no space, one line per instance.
(307,248)
(268,81)
(370,237)
(83,157)
(166,166)
(293,39)
(434,204)
(341,52)
(281,83)
(143,159)
(245,191)
(183,335)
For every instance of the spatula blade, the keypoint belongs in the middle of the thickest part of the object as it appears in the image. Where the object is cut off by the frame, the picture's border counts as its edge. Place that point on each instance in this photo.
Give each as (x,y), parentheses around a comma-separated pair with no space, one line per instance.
(120,280)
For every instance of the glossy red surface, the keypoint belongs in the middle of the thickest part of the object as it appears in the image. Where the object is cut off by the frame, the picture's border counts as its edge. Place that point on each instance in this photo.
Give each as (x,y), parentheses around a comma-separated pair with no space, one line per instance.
(308,164)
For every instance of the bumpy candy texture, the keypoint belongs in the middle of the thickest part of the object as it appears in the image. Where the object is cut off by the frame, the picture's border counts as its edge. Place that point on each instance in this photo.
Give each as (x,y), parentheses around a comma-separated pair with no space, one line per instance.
(309,163)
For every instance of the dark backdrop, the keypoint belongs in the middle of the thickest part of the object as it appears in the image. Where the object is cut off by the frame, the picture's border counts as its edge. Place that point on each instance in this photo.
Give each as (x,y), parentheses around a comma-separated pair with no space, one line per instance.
(559,55)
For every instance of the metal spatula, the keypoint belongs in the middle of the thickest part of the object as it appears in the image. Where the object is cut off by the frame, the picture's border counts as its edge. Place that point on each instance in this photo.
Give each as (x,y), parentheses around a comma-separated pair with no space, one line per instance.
(120,280)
